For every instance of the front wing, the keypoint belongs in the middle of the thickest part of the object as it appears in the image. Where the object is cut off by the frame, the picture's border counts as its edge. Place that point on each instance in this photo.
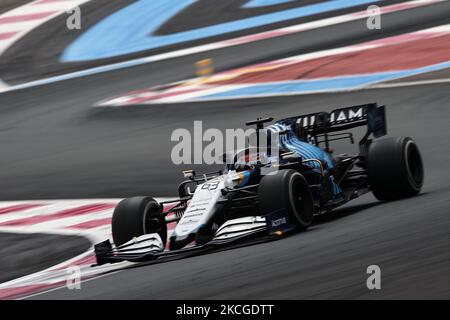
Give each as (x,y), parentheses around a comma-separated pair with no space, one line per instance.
(150,246)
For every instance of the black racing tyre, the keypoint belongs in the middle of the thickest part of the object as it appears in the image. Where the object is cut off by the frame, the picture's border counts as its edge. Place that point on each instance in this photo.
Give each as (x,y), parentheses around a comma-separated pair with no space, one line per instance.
(287,189)
(394,168)
(137,216)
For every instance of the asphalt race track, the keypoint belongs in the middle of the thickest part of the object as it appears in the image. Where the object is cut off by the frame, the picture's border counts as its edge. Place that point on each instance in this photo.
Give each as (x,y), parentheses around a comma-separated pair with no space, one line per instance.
(56,145)
(408,239)
(24,254)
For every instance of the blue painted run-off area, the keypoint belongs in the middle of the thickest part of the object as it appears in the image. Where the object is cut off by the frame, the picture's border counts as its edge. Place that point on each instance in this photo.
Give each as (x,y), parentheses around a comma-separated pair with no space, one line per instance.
(131,29)
(327,84)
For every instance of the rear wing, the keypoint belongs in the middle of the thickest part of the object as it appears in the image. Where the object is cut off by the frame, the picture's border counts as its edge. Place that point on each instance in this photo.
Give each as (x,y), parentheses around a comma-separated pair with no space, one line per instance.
(371,114)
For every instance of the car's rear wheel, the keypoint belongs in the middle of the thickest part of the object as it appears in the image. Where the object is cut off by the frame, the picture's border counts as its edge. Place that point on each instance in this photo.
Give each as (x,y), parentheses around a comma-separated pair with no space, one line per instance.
(137,216)
(289,190)
(394,168)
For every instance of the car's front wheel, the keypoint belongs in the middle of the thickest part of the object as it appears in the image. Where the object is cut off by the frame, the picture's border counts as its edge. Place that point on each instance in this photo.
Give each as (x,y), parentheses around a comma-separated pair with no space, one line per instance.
(137,216)
(288,190)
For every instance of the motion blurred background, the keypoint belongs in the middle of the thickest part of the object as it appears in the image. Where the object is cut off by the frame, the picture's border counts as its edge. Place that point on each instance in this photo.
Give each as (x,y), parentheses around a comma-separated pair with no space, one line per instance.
(91,91)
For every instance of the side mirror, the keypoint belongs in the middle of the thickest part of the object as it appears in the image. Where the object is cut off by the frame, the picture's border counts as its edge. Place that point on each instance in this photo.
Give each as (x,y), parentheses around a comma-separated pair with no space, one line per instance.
(189,174)
(291,155)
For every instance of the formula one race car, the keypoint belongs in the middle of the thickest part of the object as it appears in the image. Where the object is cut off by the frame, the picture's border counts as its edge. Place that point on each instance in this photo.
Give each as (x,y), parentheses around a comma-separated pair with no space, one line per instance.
(304,180)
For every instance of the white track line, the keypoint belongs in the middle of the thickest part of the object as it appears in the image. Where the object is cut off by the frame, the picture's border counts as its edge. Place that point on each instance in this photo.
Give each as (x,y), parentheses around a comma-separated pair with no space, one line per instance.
(408,84)
(57,275)
(26,25)
(3,86)
(195,89)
